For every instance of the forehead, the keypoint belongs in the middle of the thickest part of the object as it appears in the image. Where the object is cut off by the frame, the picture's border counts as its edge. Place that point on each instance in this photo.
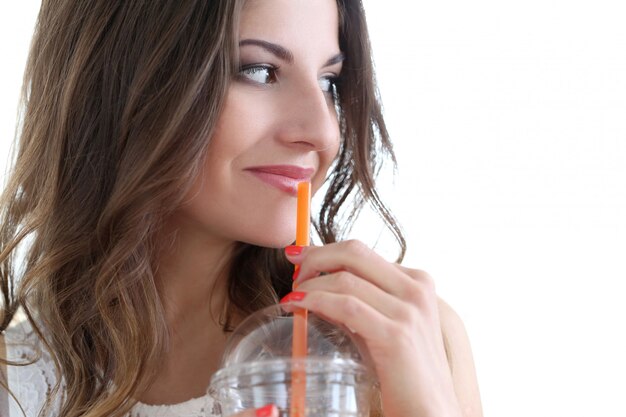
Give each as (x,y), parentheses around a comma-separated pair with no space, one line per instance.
(298,24)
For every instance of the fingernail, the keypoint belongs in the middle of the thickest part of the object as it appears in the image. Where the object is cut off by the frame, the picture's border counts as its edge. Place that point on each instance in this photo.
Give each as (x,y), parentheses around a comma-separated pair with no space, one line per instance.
(293,296)
(265,411)
(295,274)
(293,250)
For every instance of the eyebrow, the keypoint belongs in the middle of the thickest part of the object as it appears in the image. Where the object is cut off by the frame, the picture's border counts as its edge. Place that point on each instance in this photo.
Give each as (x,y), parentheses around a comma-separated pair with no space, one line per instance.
(285,54)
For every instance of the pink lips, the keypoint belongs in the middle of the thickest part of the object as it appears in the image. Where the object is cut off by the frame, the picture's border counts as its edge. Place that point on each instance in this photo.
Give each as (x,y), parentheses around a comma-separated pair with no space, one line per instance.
(283,177)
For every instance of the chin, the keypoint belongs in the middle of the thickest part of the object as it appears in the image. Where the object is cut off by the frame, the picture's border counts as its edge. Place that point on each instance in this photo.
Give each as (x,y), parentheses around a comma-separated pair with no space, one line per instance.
(274,238)
(271,242)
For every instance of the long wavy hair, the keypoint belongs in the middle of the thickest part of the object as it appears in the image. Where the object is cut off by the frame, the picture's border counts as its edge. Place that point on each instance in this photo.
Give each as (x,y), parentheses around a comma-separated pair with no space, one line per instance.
(118,100)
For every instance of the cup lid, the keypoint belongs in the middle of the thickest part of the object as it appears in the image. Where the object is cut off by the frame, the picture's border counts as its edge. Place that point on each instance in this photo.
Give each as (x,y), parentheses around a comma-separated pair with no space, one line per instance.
(263,343)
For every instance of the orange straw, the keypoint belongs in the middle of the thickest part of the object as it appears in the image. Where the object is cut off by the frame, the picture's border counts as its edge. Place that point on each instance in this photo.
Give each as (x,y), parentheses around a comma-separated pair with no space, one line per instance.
(299,348)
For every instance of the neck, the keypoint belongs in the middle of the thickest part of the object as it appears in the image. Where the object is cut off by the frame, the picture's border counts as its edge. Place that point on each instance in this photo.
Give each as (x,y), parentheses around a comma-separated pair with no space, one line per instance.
(192,276)
(192,282)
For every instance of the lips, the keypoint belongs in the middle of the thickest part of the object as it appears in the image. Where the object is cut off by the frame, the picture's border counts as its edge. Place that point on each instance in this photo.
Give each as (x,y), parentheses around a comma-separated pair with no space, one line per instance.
(283,177)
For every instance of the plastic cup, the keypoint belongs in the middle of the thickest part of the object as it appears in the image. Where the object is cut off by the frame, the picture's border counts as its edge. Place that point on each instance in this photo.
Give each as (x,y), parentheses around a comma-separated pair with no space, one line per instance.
(257,368)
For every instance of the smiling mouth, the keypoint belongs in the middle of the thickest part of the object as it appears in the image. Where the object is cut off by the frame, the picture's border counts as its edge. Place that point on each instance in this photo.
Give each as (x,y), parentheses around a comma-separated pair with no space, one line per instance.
(283,177)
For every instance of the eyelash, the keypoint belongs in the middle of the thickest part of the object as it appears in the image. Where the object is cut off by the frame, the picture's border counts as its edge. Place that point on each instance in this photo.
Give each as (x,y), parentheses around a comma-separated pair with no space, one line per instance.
(249,70)
(253,69)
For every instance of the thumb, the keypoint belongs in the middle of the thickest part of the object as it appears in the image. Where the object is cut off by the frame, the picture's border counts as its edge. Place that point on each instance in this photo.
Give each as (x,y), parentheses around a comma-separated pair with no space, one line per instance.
(268,410)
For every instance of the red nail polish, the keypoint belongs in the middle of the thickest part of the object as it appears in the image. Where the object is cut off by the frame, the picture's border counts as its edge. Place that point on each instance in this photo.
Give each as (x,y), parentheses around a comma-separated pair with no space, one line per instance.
(265,411)
(293,250)
(295,274)
(293,296)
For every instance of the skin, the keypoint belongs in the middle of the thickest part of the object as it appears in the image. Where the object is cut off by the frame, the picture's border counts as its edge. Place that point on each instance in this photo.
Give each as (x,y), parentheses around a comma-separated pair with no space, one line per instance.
(397,314)
(288,117)
(290,121)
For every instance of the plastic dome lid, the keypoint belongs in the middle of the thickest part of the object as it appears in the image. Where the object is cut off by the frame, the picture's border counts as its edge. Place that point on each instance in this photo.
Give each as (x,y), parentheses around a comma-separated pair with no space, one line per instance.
(262,344)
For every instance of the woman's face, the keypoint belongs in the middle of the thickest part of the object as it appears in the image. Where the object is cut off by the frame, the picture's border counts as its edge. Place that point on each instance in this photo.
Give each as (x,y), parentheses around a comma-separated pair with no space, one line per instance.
(278,125)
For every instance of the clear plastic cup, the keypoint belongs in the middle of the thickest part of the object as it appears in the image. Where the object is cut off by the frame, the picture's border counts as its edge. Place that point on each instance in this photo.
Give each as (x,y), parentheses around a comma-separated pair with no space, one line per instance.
(257,368)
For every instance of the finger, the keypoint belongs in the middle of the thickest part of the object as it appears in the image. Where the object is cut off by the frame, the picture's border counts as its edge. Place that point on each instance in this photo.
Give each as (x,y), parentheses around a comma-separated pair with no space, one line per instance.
(415,274)
(356,258)
(348,310)
(346,283)
(424,292)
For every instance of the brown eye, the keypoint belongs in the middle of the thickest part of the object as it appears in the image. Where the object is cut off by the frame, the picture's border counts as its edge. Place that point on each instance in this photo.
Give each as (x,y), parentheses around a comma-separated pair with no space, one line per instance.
(261,74)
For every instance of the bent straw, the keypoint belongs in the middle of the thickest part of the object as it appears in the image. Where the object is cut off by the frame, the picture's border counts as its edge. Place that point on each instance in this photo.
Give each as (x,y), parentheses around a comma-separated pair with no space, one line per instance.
(299,347)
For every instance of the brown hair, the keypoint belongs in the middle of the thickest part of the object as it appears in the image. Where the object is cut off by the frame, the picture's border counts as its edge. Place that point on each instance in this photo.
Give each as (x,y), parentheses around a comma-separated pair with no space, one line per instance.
(119,98)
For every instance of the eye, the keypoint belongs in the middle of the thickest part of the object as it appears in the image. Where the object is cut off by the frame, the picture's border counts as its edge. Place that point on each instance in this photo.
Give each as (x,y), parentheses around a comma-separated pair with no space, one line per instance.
(260,74)
(328,84)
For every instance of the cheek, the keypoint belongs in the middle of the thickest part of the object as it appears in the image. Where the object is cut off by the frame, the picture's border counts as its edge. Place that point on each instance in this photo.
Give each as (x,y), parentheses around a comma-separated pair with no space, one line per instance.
(238,127)
(329,155)
(321,176)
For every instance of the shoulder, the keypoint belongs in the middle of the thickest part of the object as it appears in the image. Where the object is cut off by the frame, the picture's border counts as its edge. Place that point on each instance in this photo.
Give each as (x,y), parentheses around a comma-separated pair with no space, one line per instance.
(32,376)
(451,323)
(460,359)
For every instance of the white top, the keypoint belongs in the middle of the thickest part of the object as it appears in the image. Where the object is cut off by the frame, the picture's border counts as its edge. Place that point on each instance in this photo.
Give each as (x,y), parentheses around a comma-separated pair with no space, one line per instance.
(31,384)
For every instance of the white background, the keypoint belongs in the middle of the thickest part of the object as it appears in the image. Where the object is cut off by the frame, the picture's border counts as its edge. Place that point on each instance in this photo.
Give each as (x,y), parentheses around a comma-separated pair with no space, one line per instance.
(509,120)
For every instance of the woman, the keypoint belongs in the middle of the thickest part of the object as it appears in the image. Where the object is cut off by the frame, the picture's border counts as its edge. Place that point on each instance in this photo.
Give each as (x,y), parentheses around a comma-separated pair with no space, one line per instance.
(153,196)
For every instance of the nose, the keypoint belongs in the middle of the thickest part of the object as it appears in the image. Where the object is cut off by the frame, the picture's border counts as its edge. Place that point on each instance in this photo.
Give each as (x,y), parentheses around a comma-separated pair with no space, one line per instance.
(309,119)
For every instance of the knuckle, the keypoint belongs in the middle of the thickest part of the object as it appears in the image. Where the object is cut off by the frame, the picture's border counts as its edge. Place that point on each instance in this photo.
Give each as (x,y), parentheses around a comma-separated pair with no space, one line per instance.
(407,313)
(356,247)
(394,330)
(428,285)
(423,278)
(413,291)
(419,275)
(346,282)
(421,293)
(351,306)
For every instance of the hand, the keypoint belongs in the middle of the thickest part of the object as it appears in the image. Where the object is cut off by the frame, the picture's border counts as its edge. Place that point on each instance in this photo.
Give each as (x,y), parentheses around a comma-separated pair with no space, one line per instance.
(394,311)
(269,410)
